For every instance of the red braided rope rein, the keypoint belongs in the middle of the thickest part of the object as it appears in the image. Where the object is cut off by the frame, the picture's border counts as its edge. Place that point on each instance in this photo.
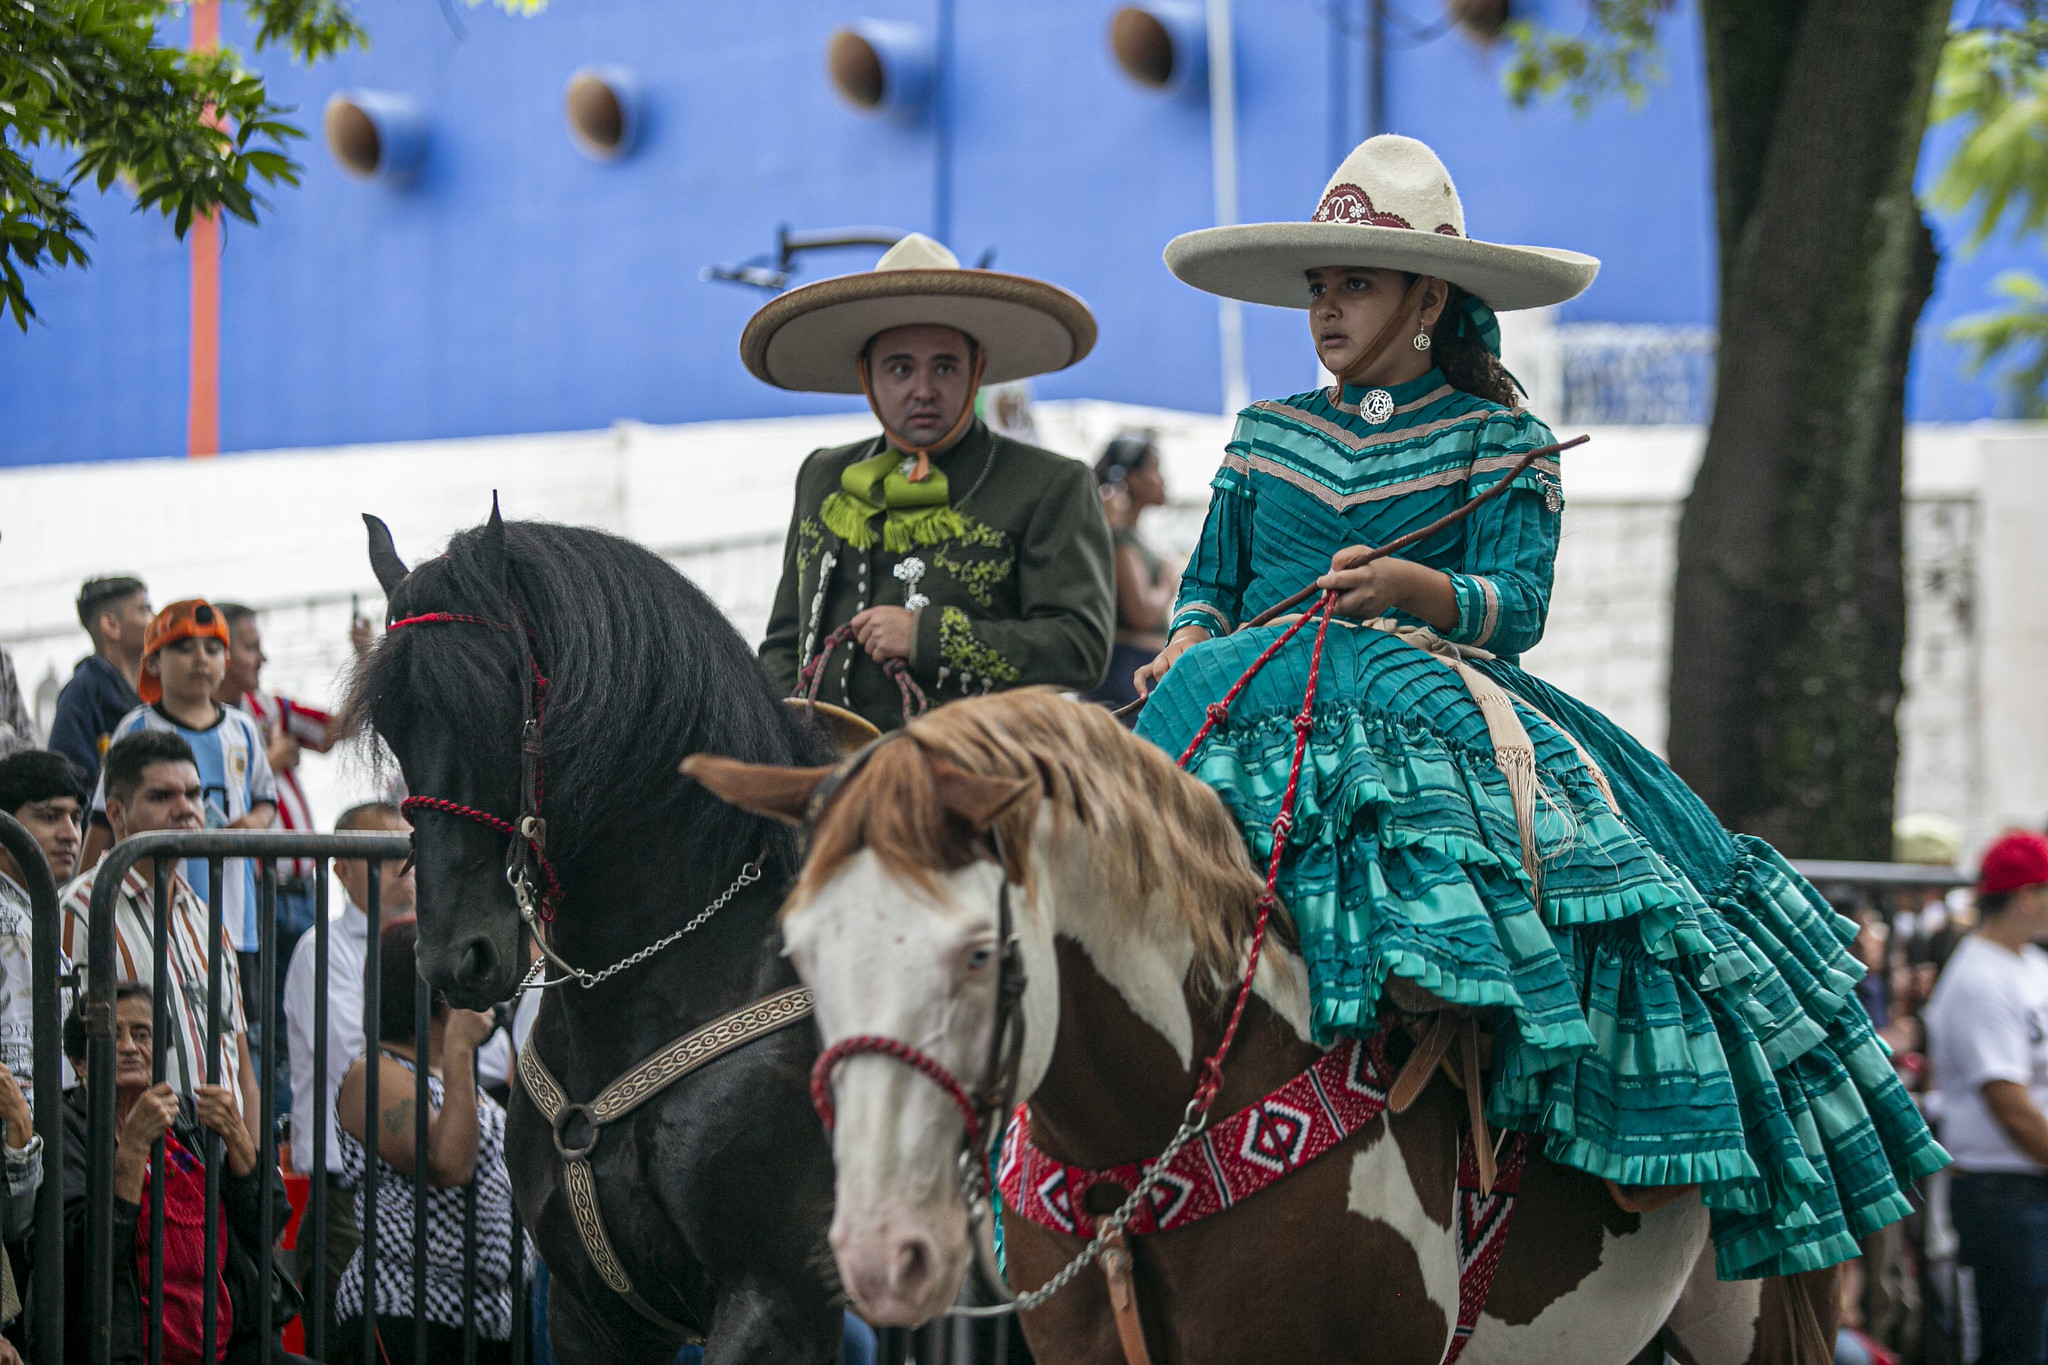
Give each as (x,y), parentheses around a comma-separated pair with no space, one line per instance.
(921,1062)
(1283,826)
(812,678)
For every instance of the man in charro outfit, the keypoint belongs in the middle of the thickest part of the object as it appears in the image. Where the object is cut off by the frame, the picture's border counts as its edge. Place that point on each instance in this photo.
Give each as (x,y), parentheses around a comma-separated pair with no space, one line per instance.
(964,561)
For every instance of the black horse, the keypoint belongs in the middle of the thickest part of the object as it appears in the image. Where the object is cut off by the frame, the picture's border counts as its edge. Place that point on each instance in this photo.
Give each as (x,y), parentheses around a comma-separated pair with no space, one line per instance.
(718,1193)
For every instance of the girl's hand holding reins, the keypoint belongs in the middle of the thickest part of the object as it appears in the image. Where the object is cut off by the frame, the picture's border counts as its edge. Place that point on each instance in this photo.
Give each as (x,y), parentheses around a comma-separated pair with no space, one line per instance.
(1368,590)
(1184,639)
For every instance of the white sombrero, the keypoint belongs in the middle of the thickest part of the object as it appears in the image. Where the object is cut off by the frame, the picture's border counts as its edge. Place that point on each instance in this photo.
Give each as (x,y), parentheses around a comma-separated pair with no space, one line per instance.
(1391,205)
(811,338)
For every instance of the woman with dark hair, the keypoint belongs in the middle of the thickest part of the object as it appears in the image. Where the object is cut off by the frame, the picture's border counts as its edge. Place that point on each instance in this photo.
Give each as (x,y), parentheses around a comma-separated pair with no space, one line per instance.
(142,1114)
(1129,480)
(1670,1005)
(465,1143)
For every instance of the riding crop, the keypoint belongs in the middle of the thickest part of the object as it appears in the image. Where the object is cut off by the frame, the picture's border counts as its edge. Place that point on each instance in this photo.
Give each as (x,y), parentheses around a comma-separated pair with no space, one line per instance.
(1392,547)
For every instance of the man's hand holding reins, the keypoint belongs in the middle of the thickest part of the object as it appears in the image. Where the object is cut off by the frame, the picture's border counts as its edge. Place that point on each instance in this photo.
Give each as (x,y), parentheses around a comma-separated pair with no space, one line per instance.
(885,632)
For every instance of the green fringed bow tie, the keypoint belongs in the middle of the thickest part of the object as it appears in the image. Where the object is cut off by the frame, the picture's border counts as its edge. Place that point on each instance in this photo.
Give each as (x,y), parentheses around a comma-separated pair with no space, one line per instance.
(917,513)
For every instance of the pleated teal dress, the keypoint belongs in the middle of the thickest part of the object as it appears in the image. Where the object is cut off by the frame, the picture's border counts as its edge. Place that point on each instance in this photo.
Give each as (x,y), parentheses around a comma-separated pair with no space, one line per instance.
(1674,1004)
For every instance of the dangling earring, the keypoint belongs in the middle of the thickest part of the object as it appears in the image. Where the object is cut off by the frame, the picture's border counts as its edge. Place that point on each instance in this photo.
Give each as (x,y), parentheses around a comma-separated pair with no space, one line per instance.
(1421,337)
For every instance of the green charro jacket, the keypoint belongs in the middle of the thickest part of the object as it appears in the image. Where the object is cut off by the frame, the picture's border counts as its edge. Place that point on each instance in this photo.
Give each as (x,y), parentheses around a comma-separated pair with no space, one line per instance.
(1025,593)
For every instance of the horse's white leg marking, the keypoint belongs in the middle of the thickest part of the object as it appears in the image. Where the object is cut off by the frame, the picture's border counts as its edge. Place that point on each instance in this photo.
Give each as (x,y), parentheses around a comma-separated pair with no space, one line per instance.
(1614,1310)
(1716,1319)
(1382,1191)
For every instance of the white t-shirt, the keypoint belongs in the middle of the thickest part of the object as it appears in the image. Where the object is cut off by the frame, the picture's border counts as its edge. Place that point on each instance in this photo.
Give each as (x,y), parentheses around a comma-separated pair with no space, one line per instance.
(1988,1021)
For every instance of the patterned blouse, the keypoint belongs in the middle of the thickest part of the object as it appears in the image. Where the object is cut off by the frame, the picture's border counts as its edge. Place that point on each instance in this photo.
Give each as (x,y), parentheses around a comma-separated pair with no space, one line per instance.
(1304,476)
(444,1232)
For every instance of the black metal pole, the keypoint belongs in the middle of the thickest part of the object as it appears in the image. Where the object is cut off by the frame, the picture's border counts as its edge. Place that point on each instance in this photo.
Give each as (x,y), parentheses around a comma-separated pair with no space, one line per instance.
(209,1326)
(266,1160)
(159,1042)
(422,1056)
(373,961)
(46,923)
(316,1182)
(1375,67)
(469,1271)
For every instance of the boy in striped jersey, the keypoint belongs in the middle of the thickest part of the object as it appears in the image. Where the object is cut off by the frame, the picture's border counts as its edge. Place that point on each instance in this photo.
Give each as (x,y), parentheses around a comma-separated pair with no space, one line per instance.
(184,658)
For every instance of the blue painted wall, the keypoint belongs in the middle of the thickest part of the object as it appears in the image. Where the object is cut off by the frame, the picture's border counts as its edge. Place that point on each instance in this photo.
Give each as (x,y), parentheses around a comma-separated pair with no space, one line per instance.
(517,286)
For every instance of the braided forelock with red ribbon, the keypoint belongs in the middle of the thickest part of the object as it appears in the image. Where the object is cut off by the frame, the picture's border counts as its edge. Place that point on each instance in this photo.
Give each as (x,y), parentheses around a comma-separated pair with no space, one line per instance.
(641,669)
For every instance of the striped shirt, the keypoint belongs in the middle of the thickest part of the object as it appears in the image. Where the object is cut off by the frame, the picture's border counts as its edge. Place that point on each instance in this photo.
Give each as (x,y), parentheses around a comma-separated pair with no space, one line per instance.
(185,959)
(234,772)
(275,715)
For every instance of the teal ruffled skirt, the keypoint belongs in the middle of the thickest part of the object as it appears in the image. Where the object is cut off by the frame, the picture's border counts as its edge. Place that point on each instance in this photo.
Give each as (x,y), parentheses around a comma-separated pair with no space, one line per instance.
(1679,1008)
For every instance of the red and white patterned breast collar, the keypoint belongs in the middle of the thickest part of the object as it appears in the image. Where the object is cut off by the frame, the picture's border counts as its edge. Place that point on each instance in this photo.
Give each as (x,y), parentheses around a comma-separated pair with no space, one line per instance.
(1344,1090)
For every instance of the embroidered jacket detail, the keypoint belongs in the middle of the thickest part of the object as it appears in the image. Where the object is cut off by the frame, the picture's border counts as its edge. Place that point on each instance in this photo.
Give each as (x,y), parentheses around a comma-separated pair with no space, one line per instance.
(976,574)
(964,653)
(810,543)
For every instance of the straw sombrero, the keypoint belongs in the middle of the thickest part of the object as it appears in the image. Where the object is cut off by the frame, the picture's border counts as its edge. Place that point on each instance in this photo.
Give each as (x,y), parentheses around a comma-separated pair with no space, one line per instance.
(1391,205)
(811,338)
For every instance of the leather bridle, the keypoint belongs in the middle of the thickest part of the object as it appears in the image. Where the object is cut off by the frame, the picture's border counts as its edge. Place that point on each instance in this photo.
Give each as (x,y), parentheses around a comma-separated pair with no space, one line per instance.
(982,1109)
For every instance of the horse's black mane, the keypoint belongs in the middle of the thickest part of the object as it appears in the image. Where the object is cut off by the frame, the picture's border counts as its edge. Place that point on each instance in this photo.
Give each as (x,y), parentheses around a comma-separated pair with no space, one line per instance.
(642,670)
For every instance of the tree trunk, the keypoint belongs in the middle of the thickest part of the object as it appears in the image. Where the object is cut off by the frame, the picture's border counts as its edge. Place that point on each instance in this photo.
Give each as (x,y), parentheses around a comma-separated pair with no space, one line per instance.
(1789,615)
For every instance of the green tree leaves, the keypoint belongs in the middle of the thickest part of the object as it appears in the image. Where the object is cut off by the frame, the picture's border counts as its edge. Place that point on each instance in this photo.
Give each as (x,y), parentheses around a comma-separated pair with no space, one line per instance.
(190,132)
(1616,53)
(1994,83)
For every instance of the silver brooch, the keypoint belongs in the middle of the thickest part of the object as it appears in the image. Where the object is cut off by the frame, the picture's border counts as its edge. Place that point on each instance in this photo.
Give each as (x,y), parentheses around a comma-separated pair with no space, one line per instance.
(1377,406)
(908,572)
(907,466)
(1553,497)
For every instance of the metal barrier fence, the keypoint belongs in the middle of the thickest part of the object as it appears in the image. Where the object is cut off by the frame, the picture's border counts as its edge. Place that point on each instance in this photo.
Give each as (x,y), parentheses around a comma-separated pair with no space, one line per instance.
(264,849)
(46,1290)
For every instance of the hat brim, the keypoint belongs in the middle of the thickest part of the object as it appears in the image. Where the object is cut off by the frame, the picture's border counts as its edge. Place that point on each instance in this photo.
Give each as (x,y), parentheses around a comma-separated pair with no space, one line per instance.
(810,339)
(1265,262)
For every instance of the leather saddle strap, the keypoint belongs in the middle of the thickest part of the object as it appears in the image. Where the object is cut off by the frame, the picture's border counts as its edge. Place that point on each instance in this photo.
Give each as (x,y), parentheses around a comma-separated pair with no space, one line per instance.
(694,1049)
(1123,1300)
(698,1048)
(1429,1050)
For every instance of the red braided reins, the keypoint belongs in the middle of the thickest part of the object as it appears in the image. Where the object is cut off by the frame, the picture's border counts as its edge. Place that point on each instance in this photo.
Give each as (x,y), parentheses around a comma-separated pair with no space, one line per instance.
(551,894)
(1283,824)
(813,675)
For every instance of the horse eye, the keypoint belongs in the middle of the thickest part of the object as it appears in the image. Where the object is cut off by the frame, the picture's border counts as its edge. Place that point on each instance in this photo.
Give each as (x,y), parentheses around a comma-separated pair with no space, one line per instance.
(980,957)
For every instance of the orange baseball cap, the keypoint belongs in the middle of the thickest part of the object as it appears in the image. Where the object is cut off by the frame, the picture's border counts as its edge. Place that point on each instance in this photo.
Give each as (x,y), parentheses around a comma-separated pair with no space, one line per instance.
(193,618)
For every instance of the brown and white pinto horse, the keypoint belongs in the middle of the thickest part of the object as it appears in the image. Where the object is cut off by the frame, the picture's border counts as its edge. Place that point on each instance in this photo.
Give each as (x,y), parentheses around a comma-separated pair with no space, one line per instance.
(1133,900)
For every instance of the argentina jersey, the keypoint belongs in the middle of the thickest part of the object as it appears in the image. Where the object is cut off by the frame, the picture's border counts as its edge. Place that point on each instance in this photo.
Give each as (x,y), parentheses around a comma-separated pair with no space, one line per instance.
(234,774)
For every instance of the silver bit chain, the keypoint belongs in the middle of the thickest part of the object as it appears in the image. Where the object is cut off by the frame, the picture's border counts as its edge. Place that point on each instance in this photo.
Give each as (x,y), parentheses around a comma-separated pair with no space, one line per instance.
(1190,1128)
(749,874)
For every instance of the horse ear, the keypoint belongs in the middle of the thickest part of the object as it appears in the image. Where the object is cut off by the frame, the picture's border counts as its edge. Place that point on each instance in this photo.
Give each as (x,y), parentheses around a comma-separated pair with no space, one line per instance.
(384,560)
(784,793)
(494,542)
(976,799)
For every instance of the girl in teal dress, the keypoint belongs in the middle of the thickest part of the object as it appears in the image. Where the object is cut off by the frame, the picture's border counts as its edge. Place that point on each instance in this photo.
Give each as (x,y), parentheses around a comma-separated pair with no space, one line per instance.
(1672,1004)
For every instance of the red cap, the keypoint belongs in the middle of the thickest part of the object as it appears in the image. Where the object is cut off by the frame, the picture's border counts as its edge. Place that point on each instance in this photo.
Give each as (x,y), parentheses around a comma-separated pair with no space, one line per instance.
(2019,858)
(179,621)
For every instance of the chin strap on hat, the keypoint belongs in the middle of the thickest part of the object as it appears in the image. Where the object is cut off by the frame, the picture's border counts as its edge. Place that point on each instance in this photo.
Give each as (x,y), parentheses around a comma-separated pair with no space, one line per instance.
(923,454)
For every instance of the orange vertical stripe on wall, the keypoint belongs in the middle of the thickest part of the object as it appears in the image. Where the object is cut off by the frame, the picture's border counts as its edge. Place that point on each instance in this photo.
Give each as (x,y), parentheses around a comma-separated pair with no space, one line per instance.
(202,402)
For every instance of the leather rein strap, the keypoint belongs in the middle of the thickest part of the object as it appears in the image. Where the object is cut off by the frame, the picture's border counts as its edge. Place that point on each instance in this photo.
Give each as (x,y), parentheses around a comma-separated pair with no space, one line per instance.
(694,1050)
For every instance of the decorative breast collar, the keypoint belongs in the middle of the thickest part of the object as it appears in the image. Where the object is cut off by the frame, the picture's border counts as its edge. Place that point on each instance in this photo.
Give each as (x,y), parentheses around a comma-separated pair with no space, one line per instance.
(1344,1090)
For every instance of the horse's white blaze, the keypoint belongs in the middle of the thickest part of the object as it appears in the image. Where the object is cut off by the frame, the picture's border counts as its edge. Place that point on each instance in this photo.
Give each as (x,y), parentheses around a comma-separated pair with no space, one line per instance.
(1613,1311)
(1715,1319)
(885,957)
(1382,1191)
